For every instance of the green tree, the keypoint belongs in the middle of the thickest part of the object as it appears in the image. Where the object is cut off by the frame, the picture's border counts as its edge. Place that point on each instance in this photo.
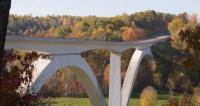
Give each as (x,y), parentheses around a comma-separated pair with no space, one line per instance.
(62,31)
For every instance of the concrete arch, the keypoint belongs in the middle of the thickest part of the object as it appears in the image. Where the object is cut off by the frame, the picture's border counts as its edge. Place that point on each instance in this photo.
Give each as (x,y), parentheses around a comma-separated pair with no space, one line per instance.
(78,66)
(132,71)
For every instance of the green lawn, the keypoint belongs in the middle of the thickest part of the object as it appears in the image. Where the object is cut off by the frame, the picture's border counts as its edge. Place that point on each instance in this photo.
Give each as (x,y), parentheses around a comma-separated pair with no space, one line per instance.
(68,101)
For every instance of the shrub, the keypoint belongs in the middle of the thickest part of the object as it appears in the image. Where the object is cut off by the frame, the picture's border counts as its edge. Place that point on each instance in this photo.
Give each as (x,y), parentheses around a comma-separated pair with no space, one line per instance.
(172,102)
(196,94)
(148,96)
(184,101)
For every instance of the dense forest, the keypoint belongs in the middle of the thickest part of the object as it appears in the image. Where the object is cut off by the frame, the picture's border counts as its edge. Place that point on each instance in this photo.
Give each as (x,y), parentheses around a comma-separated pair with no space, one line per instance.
(91,27)
(168,72)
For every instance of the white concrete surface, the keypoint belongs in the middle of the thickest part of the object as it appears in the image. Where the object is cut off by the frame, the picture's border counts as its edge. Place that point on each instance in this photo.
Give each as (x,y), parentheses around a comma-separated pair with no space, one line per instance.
(115,79)
(68,46)
(132,73)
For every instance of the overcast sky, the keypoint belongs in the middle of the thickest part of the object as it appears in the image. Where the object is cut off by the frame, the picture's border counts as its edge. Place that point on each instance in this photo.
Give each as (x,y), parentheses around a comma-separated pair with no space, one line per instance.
(101,7)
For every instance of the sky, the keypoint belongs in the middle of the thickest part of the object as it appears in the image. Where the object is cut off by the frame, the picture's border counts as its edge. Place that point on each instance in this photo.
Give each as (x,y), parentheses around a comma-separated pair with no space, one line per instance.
(104,8)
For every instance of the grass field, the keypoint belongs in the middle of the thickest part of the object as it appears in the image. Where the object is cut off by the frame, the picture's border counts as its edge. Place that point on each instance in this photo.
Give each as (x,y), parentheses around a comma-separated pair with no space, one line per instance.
(68,101)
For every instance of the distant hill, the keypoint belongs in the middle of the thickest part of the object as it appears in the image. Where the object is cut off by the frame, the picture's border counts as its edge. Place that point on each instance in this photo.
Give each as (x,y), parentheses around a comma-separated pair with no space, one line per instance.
(92,27)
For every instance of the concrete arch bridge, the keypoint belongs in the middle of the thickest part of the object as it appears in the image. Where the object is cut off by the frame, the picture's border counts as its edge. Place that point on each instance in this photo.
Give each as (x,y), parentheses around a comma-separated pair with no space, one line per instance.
(66,52)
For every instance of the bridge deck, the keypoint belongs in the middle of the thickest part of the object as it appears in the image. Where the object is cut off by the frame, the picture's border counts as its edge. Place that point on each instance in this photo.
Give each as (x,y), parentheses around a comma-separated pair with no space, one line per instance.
(62,45)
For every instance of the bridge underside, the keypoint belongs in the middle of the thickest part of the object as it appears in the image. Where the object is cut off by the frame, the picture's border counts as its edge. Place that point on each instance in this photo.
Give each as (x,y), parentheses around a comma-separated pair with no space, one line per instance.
(69,55)
(117,96)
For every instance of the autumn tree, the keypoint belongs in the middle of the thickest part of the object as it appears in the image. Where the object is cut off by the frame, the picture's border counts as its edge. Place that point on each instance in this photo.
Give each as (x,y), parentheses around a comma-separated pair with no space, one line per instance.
(62,31)
(17,71)
(185,34)
(185,38)
(106,80)
(153,22)
(191,38)
(132,33)
(67,82)
(178,23)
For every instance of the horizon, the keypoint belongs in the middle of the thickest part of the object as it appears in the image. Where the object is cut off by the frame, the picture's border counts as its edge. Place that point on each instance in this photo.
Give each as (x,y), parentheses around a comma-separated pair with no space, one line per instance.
(86,15)
(101,8)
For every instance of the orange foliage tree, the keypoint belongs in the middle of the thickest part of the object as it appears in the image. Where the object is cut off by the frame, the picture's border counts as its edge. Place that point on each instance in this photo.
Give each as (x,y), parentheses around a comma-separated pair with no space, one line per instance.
(132,33)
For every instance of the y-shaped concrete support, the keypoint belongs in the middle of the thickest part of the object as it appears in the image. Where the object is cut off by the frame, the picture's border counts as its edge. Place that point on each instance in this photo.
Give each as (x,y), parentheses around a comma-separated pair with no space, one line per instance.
(132,73)
(79,67)
(115,80)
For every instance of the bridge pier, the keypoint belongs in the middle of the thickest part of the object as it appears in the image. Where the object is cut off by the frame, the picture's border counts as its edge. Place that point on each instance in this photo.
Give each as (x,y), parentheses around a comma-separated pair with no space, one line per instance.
(132,73)
(120,96)
(115,79)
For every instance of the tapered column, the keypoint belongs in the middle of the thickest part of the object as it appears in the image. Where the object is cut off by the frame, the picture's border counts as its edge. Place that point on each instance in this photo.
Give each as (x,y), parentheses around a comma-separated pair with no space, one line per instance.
(115,80)
(132,73)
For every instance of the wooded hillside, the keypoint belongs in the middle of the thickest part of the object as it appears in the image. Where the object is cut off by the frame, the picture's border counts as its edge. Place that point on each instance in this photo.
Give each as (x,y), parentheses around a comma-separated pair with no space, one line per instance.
(167,72)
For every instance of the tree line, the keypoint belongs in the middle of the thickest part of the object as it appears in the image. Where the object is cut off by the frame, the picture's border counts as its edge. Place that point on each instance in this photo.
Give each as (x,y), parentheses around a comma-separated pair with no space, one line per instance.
(149,23)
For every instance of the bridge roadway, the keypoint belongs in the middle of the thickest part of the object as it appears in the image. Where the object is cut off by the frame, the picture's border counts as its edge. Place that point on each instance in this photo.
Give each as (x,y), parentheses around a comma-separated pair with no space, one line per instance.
(66,53)
(68,46)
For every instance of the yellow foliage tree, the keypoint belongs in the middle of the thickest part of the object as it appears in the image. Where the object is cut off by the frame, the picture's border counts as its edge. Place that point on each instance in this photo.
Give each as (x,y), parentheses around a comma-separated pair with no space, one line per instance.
(148,96)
